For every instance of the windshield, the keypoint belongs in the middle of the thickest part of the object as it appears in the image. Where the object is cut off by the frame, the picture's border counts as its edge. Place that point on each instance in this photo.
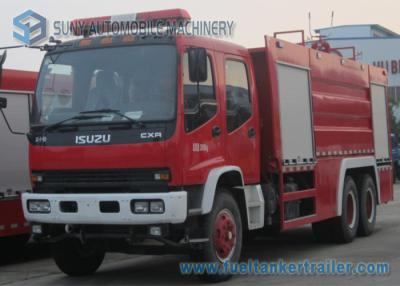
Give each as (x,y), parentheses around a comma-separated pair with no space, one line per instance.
(138,81)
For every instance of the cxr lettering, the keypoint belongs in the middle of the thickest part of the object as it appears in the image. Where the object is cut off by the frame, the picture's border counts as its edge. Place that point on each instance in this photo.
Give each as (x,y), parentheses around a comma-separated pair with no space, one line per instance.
(150,135)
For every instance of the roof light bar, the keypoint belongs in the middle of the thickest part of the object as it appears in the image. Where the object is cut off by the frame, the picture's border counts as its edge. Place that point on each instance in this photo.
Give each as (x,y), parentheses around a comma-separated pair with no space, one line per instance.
(83,26)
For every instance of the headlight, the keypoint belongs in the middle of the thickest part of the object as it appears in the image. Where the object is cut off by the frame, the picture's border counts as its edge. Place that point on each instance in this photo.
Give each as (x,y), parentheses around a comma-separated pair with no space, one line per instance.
(141,207)
(147,207)
(39,206)
(157,207)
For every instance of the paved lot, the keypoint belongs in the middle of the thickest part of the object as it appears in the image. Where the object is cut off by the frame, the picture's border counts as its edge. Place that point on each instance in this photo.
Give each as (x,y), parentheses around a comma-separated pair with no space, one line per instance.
(33,265)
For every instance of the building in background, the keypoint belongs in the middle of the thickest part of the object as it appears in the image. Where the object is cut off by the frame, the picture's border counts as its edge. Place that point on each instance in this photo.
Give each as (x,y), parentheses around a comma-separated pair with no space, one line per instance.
(374,45)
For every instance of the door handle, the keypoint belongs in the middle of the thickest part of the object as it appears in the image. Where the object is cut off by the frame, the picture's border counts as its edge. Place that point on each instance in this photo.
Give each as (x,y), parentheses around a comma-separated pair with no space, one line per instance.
(251,132)
(216,131)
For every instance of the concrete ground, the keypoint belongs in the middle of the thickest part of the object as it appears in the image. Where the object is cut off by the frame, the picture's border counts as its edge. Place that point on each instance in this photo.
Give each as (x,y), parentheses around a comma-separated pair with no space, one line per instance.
(33,265)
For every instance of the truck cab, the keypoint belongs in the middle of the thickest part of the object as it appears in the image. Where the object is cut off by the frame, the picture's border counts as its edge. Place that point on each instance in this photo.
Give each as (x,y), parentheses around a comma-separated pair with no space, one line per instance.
(134,121)
(131,136)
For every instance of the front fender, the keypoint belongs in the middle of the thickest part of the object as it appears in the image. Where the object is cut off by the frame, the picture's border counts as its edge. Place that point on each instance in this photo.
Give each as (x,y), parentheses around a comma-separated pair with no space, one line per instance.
(211,185)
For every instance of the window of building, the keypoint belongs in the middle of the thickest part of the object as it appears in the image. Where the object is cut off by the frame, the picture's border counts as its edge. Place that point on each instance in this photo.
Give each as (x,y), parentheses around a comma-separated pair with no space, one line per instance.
(394,94)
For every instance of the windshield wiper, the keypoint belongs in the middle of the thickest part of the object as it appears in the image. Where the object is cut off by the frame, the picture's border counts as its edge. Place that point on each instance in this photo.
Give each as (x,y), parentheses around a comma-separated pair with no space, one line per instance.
(91,114)
(114,111)
(62,122)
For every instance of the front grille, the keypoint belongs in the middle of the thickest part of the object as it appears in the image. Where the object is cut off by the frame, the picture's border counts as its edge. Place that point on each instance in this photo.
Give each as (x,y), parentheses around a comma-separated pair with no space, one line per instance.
(99,181)
(99,176)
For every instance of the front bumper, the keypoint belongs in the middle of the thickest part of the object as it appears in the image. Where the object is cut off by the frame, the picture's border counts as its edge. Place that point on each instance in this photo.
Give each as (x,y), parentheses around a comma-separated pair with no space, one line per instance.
(88,211)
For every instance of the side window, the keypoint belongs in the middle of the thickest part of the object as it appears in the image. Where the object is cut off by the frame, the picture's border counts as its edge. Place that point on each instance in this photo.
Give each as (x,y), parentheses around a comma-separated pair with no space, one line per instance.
(199,101)
(238,103)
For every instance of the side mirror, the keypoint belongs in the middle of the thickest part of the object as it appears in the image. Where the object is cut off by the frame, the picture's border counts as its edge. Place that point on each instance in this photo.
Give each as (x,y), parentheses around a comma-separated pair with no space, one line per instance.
(197,64)
(2,60)
(3,103)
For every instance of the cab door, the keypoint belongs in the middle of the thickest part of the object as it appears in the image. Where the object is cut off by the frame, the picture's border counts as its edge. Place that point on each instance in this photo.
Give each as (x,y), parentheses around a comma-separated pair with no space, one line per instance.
(241,124)
(203,138)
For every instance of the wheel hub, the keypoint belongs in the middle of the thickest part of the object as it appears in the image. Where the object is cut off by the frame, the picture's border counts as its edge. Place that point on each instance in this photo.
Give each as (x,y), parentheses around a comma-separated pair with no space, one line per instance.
(351,209)
(224,235)
(370,205)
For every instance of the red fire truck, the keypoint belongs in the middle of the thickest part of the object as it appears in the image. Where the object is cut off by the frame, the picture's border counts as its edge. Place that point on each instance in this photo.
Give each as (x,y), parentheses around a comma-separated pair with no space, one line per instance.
(17,87)
(162,144)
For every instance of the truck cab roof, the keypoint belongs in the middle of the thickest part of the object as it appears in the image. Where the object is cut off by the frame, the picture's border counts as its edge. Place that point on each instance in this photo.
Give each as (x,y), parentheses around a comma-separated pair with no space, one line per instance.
(123,40)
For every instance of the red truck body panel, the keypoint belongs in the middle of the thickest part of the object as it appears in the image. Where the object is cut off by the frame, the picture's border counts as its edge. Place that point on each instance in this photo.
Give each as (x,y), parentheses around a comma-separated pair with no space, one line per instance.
(18,80)
(341,115)
(12,221)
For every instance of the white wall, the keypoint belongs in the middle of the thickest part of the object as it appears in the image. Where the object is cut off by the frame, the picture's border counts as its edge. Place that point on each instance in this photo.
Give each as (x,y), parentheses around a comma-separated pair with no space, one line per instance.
(346,32)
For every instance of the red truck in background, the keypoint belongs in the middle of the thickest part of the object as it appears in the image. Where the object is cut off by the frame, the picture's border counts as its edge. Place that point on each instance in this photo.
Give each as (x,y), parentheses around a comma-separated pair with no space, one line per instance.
(163,144)
(17,86)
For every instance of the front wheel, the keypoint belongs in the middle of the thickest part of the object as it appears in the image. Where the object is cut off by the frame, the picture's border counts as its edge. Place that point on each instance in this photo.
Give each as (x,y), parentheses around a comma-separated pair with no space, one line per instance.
(76,259)
(224,230)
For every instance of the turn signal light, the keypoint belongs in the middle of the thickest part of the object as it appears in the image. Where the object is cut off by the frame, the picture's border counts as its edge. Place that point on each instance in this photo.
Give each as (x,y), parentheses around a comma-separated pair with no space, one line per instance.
(35,179)
(162,176)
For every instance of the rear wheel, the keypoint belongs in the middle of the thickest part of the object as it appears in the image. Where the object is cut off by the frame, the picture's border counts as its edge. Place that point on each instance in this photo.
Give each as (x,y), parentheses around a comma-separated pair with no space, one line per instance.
(368,204)
(223,228)
(76,259)
(345,226)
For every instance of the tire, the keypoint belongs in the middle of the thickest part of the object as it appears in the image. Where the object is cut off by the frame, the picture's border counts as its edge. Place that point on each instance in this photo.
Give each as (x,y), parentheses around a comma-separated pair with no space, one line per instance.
(345,226)
(224,220)
(368,204)
(322,230)
(75,259)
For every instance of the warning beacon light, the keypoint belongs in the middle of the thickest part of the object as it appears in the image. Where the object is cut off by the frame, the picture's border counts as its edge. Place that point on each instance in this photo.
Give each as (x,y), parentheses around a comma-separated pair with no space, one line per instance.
(83,26)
